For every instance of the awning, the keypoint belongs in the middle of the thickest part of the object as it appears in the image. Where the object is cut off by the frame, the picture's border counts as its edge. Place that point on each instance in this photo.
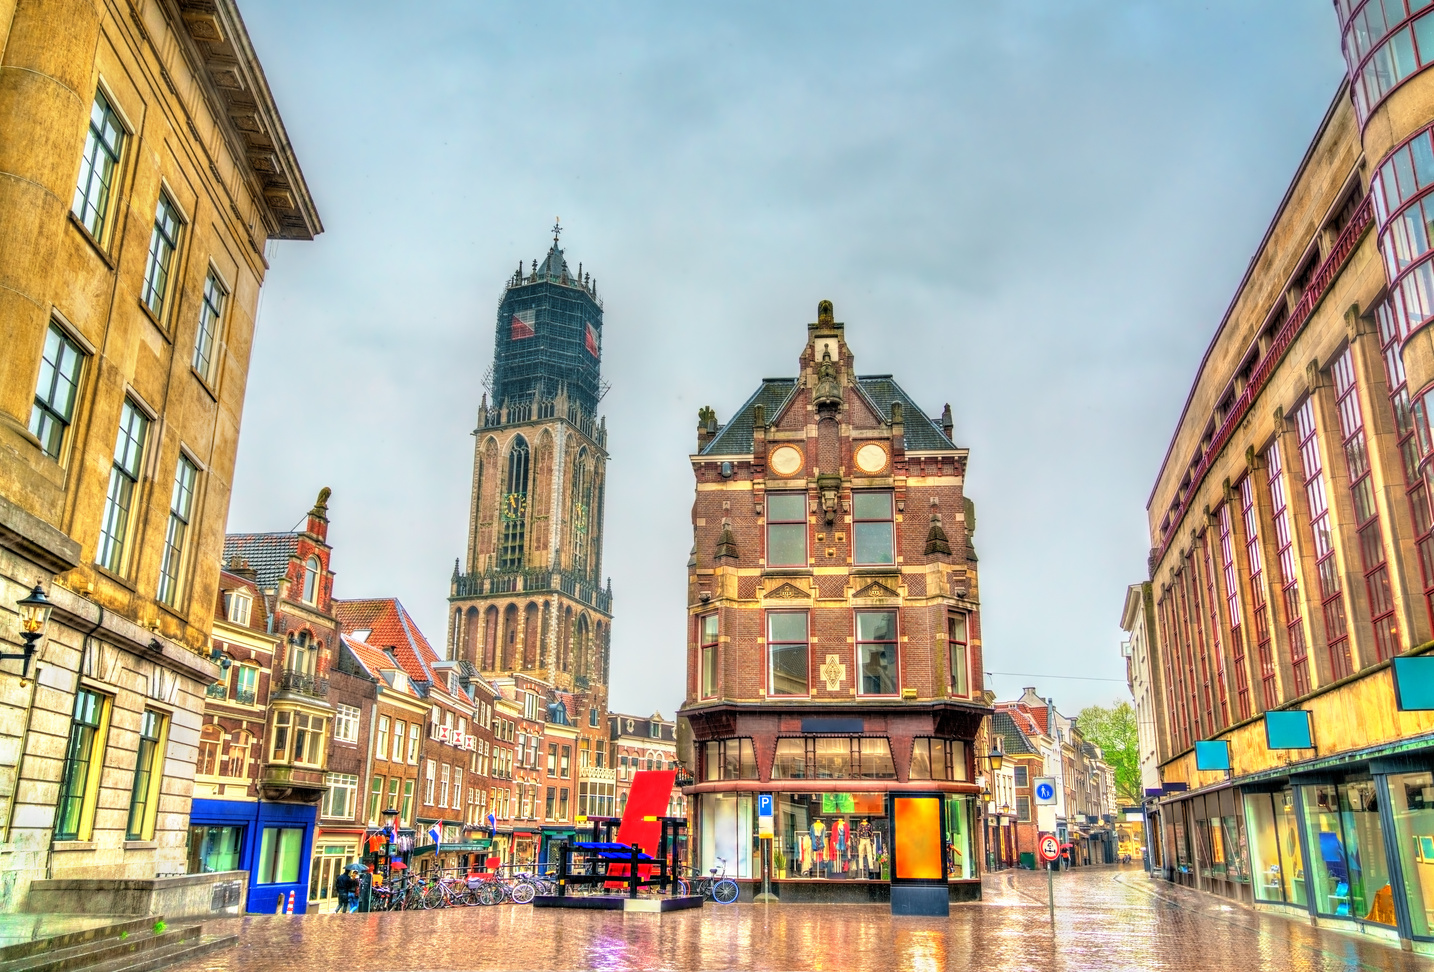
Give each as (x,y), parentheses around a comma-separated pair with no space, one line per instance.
(466,847)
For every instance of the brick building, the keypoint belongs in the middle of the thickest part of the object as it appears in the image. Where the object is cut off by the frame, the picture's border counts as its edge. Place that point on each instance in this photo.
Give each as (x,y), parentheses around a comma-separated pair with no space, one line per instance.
(1291,529)
(639,743)
(834,652)
(145,169)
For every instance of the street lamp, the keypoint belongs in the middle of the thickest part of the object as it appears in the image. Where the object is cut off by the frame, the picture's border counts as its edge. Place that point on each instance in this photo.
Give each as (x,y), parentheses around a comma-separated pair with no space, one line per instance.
(34,614)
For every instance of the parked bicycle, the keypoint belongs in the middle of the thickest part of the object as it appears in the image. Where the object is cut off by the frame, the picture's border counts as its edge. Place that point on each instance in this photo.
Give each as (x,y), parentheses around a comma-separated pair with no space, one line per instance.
(714,886)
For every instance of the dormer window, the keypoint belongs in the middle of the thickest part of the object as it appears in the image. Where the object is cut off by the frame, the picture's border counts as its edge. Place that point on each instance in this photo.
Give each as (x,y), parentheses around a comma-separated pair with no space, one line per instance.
(311,581)
(238,607)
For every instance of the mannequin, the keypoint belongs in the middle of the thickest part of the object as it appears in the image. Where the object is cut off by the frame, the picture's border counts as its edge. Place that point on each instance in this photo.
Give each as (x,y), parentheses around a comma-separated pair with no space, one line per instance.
(819,844)
(865,845)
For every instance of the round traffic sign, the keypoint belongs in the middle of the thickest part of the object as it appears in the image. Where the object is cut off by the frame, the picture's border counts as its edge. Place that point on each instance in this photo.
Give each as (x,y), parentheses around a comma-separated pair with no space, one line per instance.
(1050,848)
(1045,791)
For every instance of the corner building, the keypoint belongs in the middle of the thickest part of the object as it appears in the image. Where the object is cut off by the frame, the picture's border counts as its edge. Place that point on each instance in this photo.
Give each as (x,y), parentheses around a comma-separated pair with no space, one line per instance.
(834,654)
(530,600)
(1293,537)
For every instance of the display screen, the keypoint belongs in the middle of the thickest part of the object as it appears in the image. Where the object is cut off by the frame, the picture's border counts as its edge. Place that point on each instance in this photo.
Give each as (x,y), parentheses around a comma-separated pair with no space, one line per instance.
(917,826)
(869,803)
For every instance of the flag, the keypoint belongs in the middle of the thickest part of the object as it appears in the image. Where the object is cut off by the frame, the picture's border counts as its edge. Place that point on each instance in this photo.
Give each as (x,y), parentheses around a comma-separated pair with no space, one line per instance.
(492,824)
(436,832)
(522,326)
(591,341)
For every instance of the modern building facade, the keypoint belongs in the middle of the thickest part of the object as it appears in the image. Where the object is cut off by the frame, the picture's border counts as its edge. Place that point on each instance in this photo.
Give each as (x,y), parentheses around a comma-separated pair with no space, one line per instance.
(145,169)
(531,598)
(834,652)
(1291,531)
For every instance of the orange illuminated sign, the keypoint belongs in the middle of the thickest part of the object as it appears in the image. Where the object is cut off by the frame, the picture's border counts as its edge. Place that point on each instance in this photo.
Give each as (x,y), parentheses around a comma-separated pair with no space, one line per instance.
(917,839)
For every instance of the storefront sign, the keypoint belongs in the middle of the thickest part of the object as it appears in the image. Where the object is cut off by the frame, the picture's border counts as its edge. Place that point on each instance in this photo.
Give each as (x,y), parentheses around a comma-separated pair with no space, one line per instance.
(1414,683)
(1045,791)
(1212,755)
(1289,729)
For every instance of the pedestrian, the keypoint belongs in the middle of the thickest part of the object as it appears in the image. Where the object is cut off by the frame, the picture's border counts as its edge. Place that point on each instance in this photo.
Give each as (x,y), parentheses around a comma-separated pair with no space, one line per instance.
(346,886)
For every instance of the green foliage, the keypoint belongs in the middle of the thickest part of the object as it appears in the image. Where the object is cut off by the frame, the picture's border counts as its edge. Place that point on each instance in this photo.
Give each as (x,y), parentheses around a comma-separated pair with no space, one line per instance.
(1113,729)
(160,926)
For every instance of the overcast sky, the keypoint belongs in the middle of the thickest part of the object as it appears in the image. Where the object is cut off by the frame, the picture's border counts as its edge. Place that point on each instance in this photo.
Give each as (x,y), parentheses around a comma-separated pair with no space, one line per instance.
(1036,210)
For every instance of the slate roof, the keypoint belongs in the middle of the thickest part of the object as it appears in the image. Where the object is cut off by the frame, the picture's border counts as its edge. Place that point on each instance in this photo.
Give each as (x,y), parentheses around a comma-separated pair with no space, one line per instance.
(1014,741)
(267,553)
(922,433)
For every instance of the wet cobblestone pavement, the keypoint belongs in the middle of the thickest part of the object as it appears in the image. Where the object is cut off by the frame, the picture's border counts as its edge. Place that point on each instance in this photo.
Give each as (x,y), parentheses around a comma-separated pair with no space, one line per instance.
(1105,919)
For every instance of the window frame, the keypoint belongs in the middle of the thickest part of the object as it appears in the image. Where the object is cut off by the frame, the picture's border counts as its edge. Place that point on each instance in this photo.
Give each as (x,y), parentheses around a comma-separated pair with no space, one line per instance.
(771,659)
(708,659)
(159,266)
(962,686)
(45,418)
(381,730)
(346,715)
(80,776)
(858,521)
(894,642)
(769,523)
(213,300)
(176,532)
(336,782)
(313,573)
(144,792)
(108,183)
(121,506)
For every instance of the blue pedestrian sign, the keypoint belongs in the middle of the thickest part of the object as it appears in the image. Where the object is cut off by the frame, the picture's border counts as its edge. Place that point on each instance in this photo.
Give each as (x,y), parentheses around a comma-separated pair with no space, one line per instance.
(1045,791)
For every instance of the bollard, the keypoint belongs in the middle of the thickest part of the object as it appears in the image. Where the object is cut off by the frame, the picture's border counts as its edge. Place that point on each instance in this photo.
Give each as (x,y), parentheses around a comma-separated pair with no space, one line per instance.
(290,909)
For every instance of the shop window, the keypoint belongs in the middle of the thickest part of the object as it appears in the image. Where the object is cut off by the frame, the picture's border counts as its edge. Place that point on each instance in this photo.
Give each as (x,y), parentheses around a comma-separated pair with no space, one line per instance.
(707,640)
(873,528)
(80,775)
(728,833)
(730,759)
(876,652)
(834,836)
(144,794)
(1412,799)
(938,759)
(281,851)
(1349,874)
(786,529)
(213,849)
(961,837)
(788,649)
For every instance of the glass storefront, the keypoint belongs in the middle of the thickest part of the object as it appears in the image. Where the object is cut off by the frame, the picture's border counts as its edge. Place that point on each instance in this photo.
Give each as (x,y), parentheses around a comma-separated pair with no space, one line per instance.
(214,849)
(960,837)
(1276,858)
(1412,800)
(1349,873)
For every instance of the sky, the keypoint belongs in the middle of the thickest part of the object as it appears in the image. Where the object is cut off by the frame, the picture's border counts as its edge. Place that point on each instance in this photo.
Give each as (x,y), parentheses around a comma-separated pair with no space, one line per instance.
(1035,210)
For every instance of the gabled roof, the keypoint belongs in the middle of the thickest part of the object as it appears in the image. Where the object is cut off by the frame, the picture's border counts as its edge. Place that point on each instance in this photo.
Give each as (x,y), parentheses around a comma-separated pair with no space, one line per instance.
(259,607)
(373,661)
(922,433)
(268,554)
(1014,741)
(390,626)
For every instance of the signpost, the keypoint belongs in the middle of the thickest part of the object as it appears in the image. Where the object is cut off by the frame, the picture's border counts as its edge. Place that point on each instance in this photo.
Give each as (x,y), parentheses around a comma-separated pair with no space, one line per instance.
(764,833)
(1049,849)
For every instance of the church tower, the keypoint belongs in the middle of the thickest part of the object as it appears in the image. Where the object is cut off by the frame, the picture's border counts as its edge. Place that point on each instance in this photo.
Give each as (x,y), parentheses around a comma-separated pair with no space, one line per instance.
(531,598)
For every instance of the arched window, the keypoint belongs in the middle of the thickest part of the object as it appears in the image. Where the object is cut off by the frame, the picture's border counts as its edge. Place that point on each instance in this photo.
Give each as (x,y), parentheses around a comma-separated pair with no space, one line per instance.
(311,581)
(236,765)
(211,737)
(581,510)
(514,512)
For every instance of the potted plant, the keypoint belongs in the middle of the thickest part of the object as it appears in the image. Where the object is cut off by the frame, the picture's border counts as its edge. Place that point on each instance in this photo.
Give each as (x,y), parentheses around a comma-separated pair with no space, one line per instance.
(779,863)
(885,862)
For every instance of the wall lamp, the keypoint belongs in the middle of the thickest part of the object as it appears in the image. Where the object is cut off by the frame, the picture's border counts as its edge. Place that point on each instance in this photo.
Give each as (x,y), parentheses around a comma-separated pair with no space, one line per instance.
(34,615)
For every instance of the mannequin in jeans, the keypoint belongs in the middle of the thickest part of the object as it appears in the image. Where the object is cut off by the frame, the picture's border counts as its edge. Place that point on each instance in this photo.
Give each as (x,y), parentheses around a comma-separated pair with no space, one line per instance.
(865,846)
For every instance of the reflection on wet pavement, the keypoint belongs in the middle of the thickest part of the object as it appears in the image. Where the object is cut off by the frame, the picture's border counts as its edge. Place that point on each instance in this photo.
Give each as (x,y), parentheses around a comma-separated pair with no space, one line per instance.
(1105,919)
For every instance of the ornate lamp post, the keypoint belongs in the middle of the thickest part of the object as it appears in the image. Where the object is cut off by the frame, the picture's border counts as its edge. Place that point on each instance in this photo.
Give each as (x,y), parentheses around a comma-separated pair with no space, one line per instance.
(34,615)
(390,818)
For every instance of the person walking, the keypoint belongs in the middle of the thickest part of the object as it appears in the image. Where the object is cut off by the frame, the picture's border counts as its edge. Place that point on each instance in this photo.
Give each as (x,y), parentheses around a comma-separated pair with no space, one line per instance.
(346,886)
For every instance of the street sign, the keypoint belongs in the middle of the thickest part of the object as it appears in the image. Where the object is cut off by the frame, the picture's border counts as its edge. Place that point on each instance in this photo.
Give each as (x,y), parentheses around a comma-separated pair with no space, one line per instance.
(1045,791)
(764,815)
(1050,848)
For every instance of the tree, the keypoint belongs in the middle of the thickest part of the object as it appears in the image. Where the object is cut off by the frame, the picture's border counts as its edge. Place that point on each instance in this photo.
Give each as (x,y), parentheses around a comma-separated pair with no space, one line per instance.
(1113,730)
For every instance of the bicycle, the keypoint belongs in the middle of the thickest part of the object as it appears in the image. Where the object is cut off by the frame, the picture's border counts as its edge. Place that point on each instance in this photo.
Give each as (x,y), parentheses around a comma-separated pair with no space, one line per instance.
(716,887)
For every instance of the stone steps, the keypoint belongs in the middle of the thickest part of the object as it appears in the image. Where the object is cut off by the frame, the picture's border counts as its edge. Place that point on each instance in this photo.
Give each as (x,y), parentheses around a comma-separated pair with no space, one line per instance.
(128,946)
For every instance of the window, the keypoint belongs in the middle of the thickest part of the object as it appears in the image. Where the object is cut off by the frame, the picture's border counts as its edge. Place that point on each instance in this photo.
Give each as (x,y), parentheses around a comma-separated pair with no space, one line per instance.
(601,753)
(56,391)
(873,530)
(246,684)
(346,723)
(443,781)
(833,757)
(211,737)
(429,778)
(550,805)
(236,764)
(211,308)
(565,765)
(413,742)
(394,783)
(876,651)
(213,849)
(80,776)
(144,796)
(380,748)
(238,608)
(124,477)
(787,645)
(307,737)
(1023,809)
(938,759)
(375,801)
(786,529)
(457,788)
(1023,775)
(707,647)
(97,167)
(514,512)
(181,504)
(162,244)
(341,797)
(406,811)
(280,852)
(311,581)
(563,803)
(398,741)
(956,646)
(593,717)
(552,759)
(654,729)
(729,759)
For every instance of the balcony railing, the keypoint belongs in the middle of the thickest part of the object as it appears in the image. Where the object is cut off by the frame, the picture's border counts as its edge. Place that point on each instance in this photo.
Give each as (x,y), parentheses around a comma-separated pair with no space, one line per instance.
(535,581)
(1299,317)
(217,691)
(303,684)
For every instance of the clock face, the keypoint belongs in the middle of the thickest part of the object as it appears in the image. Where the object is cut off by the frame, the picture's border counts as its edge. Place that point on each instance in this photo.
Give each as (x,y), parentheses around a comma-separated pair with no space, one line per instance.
(785,460)
(871,458)
(515,506)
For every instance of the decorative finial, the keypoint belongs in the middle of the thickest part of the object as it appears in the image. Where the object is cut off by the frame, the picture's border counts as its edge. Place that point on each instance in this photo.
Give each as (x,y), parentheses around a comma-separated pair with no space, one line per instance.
(824,312)
(321,506)
(557,229)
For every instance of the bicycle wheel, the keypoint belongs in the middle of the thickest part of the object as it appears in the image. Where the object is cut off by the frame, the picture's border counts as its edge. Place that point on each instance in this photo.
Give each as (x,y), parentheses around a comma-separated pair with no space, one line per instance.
(433,898)
(725,891)
(490,893)
(523,892)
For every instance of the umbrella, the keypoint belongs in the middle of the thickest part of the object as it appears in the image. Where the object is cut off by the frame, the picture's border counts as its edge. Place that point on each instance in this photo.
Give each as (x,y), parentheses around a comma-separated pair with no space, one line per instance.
(355,867)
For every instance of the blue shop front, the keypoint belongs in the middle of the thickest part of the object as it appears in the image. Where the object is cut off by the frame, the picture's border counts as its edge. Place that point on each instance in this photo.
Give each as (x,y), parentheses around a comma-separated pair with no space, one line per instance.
(272,841)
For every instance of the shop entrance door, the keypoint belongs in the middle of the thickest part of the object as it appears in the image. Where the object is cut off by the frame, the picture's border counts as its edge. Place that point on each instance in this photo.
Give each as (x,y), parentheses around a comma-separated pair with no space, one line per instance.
(327,864)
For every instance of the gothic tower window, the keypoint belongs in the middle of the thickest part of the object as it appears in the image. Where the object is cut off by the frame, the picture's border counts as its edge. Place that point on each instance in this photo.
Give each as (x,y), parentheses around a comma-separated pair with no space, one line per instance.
(515,507)
(581,511)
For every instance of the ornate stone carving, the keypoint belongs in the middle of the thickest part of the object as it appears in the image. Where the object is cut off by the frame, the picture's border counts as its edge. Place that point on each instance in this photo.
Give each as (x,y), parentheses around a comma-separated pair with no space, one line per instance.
(788,592)
(833,672)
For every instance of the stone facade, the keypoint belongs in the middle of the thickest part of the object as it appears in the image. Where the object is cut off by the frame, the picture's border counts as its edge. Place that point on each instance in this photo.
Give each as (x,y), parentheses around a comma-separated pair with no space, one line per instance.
(118,123)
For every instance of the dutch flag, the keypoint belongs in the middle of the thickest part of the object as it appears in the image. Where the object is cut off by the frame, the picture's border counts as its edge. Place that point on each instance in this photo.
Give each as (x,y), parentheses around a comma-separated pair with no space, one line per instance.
(436,832)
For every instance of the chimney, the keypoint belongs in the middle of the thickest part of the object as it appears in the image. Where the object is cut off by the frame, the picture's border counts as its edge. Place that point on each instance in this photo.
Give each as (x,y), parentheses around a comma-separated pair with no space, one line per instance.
(318,524)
